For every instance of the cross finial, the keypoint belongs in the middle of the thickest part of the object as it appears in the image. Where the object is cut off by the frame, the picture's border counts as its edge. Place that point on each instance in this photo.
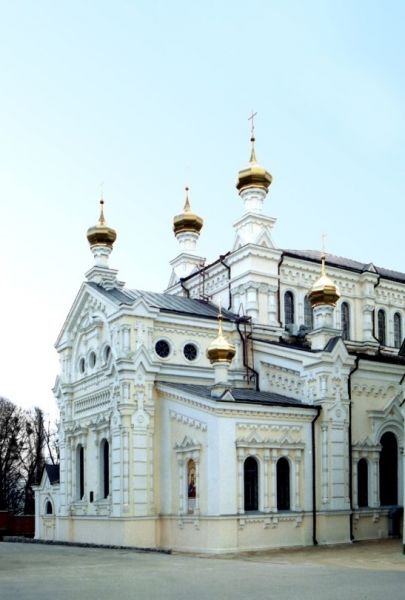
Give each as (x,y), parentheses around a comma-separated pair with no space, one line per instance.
(252,125)
(323,255)
(220,317)
(252,136)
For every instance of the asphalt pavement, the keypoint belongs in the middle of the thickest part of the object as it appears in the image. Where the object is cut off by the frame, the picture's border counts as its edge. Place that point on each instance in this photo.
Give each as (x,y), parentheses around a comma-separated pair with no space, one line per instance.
(362,571)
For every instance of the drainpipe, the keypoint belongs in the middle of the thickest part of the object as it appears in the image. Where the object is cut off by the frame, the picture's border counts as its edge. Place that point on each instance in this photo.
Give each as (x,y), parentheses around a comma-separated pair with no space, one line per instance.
(245,361)
(184,287)
(222,261)
(349,389)
(374,336)
(280,262)
(314,540)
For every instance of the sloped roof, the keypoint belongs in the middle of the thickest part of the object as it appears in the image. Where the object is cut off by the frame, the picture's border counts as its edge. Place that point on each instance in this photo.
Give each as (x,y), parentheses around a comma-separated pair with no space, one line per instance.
(166,302)
(241,395)
(346,263)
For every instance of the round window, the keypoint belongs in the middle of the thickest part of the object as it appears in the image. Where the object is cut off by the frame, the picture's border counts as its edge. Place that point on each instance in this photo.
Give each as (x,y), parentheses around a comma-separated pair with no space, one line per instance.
(92,360)
(162,348)
(82,365)
(107,352)
(190,351)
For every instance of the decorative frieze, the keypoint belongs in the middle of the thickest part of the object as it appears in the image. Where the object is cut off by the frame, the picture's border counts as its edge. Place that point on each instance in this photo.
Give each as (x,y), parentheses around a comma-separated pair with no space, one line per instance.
(190,422)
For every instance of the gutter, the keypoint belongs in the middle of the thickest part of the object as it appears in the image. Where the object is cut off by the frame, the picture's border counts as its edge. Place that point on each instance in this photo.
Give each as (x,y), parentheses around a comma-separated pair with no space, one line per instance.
(314,540)
(280,262)
(349,389)
(222,261)
(374,336)
(181,280)
(245,362)
(196,273)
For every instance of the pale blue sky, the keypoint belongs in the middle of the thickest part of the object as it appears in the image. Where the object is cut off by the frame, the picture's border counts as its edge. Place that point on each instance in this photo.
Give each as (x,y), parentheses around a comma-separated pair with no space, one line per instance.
(150,96)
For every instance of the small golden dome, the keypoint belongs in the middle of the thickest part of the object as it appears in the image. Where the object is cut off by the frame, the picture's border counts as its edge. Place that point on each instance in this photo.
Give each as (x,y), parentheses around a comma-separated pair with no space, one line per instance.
(253,176)
(187,221)
(101,234)
(220,350)
(324,290)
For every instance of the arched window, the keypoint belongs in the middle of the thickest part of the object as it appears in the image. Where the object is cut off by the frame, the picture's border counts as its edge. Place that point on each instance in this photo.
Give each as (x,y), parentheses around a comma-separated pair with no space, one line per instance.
(308,314)
(48,507)
(388,470)
(345,320)
(362,482)
(251,483)
(381,326)
(283,484)
(397,330)
(191,485)
(288,308)
(79,472)
(105,468)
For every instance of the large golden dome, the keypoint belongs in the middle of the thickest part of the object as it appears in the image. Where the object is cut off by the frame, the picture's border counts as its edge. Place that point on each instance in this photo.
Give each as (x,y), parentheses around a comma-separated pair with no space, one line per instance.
(253,176)
(101,234)
(220,350)
(187,221)
(324,290)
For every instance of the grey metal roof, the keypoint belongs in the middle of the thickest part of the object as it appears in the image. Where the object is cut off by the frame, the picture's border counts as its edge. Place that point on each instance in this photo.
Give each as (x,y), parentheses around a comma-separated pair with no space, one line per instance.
(166,302)
(346,263)
(241,395)
(53,473)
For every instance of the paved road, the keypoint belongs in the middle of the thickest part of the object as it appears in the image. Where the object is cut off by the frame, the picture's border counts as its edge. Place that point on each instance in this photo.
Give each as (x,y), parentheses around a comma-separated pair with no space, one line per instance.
(40,572)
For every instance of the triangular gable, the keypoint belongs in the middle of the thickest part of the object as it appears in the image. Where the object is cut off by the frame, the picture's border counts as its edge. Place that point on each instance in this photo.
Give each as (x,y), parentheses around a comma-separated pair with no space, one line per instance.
(264,239)
(75,314)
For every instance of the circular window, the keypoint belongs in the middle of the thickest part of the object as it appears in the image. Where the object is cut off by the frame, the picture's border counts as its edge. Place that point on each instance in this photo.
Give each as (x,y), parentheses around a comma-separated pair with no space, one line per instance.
(82,365)
(162,348)
(92,360)
(107,352)
(190,351)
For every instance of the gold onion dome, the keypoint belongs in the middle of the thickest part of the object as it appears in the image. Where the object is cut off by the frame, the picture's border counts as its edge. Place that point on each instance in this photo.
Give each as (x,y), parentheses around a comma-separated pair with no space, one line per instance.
(101,234)
(220,350)
(187,221)
(324,290)
(253,176)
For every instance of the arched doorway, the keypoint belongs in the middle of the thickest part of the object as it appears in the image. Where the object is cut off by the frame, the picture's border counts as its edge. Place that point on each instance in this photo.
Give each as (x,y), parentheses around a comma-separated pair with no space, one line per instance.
(251,484)
(388,470)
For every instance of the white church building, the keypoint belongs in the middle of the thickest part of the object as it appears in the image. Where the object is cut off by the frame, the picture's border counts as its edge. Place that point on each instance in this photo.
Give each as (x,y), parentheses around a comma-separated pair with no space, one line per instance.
(277,420)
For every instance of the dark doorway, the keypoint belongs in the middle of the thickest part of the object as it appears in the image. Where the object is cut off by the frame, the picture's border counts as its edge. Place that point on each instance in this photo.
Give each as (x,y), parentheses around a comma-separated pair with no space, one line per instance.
(283,484)
(250,474)
(362,482)
(388,470)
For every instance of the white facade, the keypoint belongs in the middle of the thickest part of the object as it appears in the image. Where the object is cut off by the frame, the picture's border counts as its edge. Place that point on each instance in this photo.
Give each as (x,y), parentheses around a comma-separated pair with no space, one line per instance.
(304,443)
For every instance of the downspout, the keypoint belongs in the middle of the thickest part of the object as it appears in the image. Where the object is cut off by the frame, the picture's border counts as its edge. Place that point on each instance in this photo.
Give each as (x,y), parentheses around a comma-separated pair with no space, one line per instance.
(349,389)
(245,362)
(222,261)
(374,336)
(280,262)
(181,280)
(314,540)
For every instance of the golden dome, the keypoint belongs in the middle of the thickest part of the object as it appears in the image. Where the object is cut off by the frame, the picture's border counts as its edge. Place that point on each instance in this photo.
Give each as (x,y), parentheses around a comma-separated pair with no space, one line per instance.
(187,221)
(220,350)
(253,176)
(101,234)
(324,290)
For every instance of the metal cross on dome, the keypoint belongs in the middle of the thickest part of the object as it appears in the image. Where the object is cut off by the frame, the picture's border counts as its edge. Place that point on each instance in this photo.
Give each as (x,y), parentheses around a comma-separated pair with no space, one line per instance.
(252,119)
